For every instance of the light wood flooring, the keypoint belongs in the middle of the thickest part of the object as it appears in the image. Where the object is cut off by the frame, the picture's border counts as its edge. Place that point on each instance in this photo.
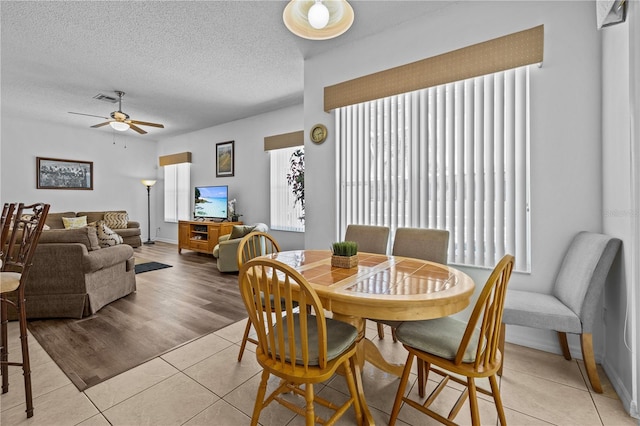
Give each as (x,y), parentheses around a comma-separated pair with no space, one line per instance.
(202,383)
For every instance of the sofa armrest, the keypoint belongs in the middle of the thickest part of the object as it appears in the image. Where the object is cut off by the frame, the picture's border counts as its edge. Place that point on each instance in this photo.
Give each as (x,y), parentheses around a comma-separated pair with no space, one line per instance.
(106,257)
(224,237)
(58,269)
(227,255)
(133,224)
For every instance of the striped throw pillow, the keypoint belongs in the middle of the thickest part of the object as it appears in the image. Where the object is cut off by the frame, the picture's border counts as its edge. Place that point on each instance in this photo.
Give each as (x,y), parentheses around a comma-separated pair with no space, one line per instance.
(116,220)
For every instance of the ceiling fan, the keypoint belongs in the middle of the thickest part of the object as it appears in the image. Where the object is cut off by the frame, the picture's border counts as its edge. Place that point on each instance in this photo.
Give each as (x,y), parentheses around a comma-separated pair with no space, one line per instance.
(120,121)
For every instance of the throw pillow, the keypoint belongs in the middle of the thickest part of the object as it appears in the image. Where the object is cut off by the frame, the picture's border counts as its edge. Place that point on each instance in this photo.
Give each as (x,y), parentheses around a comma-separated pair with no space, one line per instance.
(107,236)
(240,231)
(116,220)
(74,222)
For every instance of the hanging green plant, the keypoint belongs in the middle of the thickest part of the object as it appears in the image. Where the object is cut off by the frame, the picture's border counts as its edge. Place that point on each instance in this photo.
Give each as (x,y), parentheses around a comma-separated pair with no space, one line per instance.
(295,178)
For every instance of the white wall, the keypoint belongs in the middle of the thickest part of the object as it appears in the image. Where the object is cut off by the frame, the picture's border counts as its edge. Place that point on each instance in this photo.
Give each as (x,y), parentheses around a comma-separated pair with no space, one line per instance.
(617,202)
(117,170)
(250,183)
(566,149)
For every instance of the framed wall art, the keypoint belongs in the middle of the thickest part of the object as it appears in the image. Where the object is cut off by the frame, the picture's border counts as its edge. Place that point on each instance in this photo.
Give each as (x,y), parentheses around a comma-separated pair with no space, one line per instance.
(224,159)
(53,173)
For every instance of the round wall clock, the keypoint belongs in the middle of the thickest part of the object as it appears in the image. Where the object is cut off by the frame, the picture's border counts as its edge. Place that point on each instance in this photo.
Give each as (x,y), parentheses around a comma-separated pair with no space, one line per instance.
(318,133)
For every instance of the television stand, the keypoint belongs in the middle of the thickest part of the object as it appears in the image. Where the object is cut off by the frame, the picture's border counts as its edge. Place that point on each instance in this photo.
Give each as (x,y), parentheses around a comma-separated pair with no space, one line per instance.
(202,236)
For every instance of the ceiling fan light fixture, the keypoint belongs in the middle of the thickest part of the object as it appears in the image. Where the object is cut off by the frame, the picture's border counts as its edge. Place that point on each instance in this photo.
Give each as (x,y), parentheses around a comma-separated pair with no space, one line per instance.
(305,18)
(119,126)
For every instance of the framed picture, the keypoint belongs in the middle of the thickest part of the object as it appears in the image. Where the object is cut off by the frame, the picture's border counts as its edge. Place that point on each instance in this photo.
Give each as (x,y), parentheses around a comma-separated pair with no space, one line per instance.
(53,173)
(224,159)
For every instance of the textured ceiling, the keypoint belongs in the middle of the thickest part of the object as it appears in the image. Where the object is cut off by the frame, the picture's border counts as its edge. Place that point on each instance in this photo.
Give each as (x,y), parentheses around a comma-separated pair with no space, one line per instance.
(187,64)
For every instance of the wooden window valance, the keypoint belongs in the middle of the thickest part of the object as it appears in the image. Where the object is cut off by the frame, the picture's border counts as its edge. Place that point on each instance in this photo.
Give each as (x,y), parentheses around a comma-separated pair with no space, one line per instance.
(285,140)
(502,53)
(182,157)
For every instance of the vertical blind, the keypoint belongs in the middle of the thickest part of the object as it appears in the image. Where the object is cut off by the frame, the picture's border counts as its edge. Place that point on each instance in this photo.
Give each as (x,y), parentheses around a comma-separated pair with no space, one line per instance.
(286,214)
(177,192)
(454,156)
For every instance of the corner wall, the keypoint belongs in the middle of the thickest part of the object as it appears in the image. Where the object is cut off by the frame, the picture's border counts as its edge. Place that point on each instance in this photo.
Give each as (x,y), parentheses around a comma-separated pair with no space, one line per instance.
(618,218)
(250,183)
(566,148)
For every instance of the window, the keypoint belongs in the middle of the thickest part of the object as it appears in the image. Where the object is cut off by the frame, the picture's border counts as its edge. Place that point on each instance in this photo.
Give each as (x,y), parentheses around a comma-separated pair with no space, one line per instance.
(177,192)
(454,156)
(287,208)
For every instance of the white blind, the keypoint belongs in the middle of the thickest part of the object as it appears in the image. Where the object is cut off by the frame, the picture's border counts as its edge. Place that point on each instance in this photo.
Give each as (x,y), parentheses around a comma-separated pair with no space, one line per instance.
(286,214)
(454,157)
(177,192)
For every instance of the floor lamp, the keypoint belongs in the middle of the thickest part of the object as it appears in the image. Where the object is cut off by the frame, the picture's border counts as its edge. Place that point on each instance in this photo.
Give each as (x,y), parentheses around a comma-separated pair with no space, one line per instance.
(148,184)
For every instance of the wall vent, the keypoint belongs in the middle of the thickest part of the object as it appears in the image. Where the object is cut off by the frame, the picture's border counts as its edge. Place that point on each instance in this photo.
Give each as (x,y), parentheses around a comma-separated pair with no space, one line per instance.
(105,98)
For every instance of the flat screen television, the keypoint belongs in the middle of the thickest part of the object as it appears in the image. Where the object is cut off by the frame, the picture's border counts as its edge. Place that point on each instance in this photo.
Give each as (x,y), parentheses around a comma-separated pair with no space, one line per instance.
(211,202)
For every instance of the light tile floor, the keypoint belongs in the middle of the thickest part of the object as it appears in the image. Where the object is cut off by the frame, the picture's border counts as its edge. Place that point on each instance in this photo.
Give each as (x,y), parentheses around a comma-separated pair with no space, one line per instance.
(201,383)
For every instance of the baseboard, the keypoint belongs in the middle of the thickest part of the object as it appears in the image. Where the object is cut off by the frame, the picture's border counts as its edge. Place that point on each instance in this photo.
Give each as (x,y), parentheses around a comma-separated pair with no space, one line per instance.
(166,240)
(621,390)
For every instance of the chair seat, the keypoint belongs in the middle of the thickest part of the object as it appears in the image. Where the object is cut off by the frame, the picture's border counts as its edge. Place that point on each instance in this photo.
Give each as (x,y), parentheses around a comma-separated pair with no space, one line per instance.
(539,310)
(9,281)
(340,337)
(440,337)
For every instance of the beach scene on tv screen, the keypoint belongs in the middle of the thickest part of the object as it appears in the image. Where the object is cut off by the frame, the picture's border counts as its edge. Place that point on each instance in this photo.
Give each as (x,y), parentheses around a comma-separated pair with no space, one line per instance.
(211,201)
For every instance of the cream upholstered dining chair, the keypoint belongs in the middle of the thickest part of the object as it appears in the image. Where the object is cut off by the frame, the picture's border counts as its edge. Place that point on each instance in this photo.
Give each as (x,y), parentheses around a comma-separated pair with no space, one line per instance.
(370,238)
(27,227)
(419,243)
(572,307)
(253,245)
(299,348)
(453,348)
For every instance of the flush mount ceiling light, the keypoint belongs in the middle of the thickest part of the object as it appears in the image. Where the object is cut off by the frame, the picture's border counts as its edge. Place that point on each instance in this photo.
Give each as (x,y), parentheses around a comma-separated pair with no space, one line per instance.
(318,19)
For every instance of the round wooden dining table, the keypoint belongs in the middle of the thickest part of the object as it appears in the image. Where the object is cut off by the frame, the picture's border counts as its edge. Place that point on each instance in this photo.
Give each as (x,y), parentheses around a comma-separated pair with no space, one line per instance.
(381,287)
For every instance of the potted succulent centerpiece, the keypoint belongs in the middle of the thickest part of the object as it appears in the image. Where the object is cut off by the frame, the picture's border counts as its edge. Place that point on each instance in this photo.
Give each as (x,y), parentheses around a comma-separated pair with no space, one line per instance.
(344,254)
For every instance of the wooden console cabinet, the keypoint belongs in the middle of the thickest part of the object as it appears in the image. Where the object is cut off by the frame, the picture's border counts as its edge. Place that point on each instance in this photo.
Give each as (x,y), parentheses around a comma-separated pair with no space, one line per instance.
(202,236)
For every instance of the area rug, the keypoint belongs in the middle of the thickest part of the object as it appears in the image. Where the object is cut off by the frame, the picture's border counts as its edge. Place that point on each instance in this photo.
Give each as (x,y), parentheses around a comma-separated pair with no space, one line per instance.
(150,266)
(168,310)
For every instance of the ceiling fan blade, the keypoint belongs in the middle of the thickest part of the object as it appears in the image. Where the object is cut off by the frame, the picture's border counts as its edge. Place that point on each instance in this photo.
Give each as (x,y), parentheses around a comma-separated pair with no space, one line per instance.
(101,124)
(137,129)
(88,115)
(145,123)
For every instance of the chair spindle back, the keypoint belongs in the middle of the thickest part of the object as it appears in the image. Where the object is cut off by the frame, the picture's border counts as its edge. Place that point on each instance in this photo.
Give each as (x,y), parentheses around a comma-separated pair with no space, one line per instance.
(488,312)
(291,349)
(256,244)
(27,227)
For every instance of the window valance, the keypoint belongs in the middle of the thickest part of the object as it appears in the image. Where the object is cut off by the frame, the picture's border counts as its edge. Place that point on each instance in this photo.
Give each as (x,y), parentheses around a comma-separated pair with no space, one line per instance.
(182,157)
(502,53)
(285,140)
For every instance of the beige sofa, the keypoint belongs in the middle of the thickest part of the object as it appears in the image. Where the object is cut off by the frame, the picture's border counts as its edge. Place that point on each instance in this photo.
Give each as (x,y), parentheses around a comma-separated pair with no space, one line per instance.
(130,235)
(72,277)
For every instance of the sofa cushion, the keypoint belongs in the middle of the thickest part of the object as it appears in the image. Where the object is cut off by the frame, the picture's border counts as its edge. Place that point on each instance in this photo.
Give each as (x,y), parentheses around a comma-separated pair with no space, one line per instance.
(116,220)
(54,220)
(240,231)
(74,222)
(86,235)
(106,236)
